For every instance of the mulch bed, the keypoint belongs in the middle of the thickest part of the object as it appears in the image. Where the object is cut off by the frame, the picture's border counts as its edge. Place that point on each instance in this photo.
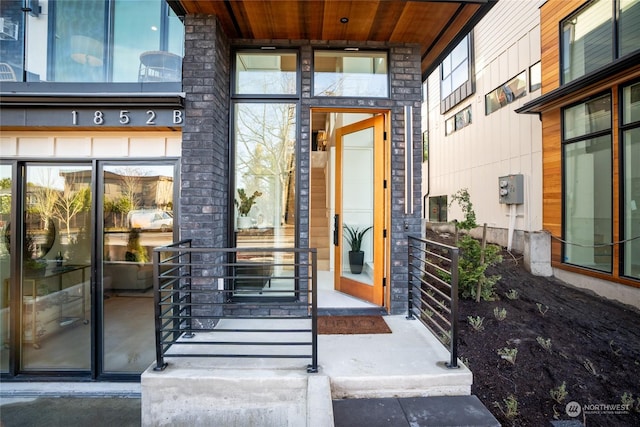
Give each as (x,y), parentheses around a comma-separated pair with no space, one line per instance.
(594,348)
(342,325)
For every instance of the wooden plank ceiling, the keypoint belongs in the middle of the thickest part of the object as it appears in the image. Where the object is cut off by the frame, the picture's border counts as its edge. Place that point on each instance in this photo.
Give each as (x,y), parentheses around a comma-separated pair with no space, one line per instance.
(435,25)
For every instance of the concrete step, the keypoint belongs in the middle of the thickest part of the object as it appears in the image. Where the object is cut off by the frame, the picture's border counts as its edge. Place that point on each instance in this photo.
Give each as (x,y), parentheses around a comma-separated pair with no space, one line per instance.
(413,411)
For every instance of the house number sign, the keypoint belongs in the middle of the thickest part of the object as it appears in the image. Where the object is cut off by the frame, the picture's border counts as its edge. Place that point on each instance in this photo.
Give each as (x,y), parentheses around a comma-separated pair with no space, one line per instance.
(111,116)
(131,117)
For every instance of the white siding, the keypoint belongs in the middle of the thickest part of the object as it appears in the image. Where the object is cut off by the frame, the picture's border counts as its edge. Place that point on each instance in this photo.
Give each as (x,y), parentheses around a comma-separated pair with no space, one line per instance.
(87,145)
(506,42)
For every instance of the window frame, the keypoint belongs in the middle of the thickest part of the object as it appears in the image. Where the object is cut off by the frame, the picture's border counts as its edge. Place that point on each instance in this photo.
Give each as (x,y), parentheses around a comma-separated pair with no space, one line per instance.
(355,50)
(623,128)
(281,96)
(466,89)
(564,142)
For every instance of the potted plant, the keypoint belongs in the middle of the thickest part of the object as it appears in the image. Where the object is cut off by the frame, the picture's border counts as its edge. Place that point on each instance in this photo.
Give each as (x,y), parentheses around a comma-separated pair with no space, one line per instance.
(244,204)
(354,236)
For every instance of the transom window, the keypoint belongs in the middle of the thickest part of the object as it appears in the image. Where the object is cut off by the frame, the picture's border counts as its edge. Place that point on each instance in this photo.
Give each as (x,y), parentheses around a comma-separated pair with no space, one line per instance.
(350,73)
(266,73)
(591,38)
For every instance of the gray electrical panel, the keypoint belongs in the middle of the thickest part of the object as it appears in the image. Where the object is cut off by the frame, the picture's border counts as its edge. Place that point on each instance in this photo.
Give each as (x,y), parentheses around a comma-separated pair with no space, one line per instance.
(511,189)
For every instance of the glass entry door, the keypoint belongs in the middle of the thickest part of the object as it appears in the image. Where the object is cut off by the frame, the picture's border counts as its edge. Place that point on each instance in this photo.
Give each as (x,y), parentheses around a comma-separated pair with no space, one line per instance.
(360,210)
(137,215)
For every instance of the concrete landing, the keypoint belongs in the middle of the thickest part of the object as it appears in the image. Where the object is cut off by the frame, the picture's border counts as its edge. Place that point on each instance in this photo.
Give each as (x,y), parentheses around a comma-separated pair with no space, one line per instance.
(409,362)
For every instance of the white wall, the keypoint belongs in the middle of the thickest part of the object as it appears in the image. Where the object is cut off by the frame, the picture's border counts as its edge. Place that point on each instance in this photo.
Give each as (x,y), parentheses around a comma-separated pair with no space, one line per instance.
(90,144)
(506,42)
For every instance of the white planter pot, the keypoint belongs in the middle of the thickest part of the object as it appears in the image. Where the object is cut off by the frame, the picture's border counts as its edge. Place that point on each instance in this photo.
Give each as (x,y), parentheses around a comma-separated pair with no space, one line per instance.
(244,222)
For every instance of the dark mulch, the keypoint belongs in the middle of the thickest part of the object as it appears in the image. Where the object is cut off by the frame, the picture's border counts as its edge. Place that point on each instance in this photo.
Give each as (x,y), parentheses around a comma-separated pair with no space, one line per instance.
(594,350)
(341,325)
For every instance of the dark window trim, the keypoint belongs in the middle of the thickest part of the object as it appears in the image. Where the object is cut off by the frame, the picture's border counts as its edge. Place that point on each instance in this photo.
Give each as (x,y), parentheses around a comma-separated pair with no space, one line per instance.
(622,128)
(465,90)
(563,144)
(327,49)
(626,64)
(232,80)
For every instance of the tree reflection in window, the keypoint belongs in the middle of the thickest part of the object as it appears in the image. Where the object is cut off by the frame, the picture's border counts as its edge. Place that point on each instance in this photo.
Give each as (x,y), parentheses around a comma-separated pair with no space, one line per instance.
(265,162)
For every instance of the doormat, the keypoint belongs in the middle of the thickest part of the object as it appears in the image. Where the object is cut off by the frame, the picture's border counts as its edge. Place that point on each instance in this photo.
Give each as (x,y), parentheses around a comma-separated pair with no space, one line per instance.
(342,325)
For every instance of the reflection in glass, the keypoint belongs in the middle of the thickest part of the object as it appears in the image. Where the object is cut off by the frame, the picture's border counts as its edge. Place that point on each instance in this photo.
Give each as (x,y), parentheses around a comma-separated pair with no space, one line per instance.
(260,73)
(138,216)
(587,43)
(5,262)
(340,73)
(506,94)
(265,182)
(631,220)
(357,199)
(587,203)
(56,274)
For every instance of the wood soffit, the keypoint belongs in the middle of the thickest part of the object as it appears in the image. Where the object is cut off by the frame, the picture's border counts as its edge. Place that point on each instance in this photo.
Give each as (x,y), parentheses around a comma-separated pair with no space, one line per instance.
(437,26)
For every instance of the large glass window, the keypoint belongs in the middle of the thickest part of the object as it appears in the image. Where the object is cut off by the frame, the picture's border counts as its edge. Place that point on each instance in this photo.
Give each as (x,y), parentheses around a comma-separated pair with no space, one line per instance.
(629,26)
(631,180)
(587,204)
(350,73)
(589,36)
(455,69)
(91,41)
(265,174)
(260,73)
(5,264)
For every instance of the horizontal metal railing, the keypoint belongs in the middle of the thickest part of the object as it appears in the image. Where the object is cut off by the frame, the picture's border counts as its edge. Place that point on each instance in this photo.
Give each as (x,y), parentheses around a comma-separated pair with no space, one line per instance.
(433,290)
(235,303)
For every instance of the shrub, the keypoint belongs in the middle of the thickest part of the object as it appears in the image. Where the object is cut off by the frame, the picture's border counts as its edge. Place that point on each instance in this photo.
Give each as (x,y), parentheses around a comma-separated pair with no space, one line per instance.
(471,270)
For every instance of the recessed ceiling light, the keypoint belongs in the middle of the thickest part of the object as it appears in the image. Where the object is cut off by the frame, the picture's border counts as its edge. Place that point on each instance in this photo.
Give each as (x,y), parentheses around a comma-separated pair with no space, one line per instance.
(344,19)
(154,28)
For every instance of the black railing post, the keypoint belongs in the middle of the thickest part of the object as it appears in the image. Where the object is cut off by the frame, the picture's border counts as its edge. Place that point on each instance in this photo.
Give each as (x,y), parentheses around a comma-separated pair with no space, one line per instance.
(410,281)
(454,309)
(160,364)
(187,286)
(313,368)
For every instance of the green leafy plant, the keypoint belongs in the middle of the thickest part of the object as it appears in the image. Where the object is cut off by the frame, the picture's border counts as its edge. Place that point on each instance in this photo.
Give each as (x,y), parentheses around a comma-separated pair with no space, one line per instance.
(500,313)
(510,411)
(512,294)
(245,203)
(559,393)
(474,261)
(476,322)
(544,343)
(354,236)
(508,354)
(542,308)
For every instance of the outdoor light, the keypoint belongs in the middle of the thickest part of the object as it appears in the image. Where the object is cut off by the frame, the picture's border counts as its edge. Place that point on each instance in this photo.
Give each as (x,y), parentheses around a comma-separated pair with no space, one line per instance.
(344,19)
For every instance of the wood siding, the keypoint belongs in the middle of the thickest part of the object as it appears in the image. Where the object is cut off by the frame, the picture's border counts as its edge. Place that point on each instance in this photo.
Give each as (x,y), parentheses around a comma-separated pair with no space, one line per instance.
(552,13)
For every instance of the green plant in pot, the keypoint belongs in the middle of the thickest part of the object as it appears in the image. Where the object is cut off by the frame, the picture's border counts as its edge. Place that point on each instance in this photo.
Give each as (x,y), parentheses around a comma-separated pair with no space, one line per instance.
(244,203)
(354,236)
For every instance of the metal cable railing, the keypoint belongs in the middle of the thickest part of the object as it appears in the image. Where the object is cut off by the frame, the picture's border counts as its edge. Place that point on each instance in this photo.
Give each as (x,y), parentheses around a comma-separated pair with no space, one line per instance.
(235,303)
(433,290)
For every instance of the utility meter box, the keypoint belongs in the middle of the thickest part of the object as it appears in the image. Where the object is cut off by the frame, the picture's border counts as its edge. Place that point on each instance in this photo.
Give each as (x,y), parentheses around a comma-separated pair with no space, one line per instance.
(511,189)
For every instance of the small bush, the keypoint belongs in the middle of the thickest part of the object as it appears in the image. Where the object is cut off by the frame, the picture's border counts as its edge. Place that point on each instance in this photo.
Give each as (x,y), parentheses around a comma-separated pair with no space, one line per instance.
(476,322)
(510,411)
(559,393)
(500,313)
(512,294)
(544,343)
(508,354)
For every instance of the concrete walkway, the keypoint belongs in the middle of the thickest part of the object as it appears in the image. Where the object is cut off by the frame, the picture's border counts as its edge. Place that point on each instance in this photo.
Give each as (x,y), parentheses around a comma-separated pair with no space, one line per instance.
(366,374)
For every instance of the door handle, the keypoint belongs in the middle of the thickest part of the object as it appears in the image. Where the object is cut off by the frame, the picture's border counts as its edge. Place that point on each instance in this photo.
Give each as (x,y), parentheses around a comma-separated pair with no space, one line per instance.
(336,235)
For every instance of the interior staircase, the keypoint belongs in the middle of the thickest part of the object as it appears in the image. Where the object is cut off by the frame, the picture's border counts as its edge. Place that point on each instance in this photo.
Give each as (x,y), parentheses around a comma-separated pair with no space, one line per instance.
(319,220)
